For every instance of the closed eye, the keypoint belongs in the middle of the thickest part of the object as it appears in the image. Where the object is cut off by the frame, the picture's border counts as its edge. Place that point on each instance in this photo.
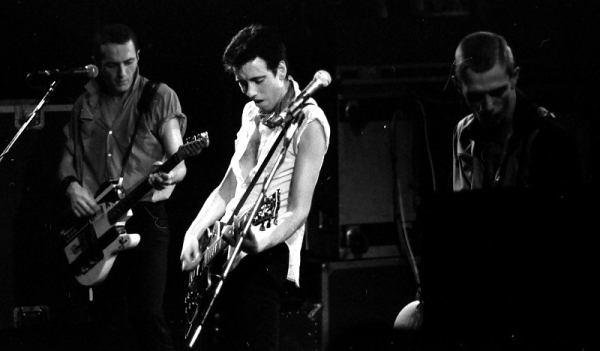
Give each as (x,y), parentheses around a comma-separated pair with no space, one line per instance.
(498,92)
(495,93)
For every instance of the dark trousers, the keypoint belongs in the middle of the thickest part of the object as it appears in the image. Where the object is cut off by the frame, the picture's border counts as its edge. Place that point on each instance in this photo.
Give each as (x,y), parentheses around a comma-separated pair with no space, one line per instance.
(249,305)
(128,305)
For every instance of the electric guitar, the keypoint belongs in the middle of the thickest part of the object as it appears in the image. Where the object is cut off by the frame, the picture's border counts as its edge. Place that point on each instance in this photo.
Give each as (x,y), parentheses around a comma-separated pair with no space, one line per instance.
(211,259)
(91,244)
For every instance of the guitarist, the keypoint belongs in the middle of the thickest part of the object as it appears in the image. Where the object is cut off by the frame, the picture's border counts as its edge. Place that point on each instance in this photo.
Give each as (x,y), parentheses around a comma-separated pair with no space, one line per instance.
(249,303)
(113,136)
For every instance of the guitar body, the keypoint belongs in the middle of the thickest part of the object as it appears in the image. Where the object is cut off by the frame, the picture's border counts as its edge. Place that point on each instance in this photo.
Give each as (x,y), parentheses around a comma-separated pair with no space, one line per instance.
(213,267)
(92,244)
(204,277)
(99,269)
(212,262)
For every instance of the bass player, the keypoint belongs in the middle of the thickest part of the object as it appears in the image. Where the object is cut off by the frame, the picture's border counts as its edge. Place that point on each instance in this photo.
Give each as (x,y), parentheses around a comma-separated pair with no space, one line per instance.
(112,136)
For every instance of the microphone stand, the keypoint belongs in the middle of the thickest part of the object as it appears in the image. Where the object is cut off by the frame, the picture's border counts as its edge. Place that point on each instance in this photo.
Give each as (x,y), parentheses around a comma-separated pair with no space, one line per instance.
(30,118)
(290,127)
(411,316)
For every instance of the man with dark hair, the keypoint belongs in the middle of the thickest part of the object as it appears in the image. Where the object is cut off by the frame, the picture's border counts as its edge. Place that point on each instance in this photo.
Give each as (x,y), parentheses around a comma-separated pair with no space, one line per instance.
(249,304)
(109,138)
(252,42)
(506,141)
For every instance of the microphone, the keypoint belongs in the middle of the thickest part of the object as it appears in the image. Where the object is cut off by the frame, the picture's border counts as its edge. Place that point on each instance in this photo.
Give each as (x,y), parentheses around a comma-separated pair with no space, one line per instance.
(541,111)
(90,71)
(320,80)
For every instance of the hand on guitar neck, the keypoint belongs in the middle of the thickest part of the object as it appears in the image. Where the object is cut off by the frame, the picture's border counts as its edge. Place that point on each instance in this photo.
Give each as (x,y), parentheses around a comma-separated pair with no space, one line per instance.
(256,232)
(232,233)
(160,180)
(266,215)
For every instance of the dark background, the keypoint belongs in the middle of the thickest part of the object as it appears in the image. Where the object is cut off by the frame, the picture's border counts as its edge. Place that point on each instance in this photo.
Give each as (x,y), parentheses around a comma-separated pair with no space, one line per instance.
(181,42)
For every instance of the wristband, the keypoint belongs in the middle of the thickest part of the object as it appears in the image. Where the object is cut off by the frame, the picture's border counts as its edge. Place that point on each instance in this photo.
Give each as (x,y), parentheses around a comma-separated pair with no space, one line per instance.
(67,181)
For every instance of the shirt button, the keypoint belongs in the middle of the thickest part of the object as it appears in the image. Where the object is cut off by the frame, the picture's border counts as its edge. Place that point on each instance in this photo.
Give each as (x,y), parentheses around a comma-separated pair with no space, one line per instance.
(109,132)
(109,155)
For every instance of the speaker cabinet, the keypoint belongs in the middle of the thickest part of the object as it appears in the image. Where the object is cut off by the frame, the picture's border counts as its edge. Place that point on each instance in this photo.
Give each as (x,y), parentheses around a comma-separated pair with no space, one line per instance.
(29,200)
(380,139)
(361,300)
(394,124)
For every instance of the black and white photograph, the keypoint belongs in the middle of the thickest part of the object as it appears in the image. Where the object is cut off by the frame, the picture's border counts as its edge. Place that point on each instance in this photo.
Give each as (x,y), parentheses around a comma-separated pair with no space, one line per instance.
(299,175)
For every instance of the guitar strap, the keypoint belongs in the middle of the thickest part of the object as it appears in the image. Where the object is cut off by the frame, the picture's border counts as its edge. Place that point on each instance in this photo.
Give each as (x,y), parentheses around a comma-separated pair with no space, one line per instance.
(77,143)
(143,108)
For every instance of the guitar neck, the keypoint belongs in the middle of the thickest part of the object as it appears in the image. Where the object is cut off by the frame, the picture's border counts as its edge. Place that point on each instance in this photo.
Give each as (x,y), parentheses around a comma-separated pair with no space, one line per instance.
(212,251)
(140,191)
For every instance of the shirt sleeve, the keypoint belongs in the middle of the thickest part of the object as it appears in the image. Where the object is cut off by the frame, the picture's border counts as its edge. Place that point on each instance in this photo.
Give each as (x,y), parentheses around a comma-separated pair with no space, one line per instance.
(67,165)
(167,106)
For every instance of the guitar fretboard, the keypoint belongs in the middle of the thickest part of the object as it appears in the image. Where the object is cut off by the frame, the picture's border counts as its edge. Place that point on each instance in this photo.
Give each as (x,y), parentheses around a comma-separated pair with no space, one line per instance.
(212,251)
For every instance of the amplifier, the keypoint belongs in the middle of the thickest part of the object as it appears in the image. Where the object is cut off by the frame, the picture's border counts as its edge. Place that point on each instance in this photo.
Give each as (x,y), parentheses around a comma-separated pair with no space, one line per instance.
(360,302)
(29,198)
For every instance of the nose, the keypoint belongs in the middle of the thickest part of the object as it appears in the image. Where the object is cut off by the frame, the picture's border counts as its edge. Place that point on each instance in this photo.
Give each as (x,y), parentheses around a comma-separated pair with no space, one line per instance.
(251,90)
(122,71)
(488,103)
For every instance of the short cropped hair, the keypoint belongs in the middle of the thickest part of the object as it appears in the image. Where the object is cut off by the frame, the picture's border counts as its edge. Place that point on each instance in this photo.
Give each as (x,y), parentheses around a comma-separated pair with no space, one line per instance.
(251,42)
(480,51)
(113,33)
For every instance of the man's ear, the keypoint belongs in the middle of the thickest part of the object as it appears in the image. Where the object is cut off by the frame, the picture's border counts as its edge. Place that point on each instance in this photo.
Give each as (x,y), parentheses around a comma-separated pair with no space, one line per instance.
(282,70)
(515,77)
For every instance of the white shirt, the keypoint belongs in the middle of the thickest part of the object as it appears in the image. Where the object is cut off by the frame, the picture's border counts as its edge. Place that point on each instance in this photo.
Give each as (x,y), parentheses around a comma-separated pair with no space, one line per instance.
(283,176)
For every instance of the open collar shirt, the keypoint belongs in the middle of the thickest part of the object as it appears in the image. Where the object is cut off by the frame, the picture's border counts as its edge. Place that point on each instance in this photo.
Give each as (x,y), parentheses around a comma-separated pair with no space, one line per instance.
(97,140)
(284,173)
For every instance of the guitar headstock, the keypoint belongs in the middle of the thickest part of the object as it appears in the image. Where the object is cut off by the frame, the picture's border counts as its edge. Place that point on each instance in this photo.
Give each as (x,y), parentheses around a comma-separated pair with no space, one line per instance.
(193,145)
(268,211)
